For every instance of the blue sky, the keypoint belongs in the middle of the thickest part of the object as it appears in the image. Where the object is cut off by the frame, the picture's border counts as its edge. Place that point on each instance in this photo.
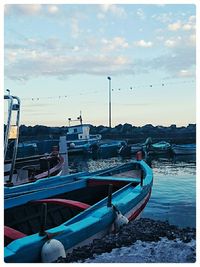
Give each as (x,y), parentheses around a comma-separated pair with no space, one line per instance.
(58,57)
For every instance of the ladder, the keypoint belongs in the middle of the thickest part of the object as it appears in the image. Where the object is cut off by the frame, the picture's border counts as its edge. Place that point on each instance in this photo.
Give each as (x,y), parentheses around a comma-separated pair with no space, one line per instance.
(12,129)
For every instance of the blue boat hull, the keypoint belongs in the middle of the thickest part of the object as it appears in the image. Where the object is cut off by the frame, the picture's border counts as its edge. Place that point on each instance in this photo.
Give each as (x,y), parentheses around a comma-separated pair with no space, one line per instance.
(130,196)
(184,149)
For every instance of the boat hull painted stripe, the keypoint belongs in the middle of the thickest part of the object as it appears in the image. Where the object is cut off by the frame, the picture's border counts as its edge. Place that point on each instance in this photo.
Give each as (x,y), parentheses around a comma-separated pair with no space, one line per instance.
(87,225)
(136,212)
(131,215)
(12,234)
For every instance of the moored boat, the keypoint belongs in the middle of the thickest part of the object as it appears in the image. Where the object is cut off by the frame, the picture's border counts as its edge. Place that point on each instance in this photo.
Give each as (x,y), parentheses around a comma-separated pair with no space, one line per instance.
(76,211)
(110,147)
(161,147)
(186,149)
(79,139)
(130,149)
(33,168)
(22,170)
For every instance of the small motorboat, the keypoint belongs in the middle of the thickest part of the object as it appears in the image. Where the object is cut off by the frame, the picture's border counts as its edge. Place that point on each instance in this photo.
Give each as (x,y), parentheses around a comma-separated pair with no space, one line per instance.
(187,149)
(110,147)
(74,211)
(161,147)
(79,139)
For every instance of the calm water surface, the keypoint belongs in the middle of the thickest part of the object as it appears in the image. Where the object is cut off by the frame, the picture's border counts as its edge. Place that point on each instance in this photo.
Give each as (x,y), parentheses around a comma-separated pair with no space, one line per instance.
(174,190)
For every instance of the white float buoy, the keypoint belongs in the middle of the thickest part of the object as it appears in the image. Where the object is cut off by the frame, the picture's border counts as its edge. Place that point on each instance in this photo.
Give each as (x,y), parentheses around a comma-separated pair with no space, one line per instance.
(72,145)
(52,250)
(120,220)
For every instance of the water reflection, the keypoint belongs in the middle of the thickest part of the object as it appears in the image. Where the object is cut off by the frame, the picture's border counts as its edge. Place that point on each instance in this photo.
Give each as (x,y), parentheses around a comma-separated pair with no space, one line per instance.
(174,191)
(185,158)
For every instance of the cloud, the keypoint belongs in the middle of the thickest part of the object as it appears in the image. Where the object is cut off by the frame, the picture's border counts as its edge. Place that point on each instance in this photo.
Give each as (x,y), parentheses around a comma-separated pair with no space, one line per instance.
(142,43)
(34,58)
(175,26)
(185,73)
(179,58)
(31,63)
(31,9)
(24,10)
(140,13)
(24,64)
(181,41)
(75,27)
(116,43)
(185,26)
(170,43)
(163,17)
(190,25)
(52,9)
(116,10)
(173,41)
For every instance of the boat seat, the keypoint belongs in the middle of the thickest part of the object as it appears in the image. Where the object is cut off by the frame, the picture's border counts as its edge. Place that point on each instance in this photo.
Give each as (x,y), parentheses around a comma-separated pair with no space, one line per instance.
(11,234)
(64,202)
(112,178)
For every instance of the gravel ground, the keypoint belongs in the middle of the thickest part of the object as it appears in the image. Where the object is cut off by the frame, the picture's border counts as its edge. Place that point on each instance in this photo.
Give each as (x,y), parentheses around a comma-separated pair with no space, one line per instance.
(148,232)
(163,251)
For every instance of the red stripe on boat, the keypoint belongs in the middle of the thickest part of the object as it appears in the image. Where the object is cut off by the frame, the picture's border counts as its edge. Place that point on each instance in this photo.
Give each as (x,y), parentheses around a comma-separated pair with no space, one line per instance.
(12,234)
(138,211)
(64,202)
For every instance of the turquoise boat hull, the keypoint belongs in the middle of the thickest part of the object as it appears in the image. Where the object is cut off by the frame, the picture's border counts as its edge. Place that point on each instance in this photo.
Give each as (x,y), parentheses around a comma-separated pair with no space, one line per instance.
(130,195)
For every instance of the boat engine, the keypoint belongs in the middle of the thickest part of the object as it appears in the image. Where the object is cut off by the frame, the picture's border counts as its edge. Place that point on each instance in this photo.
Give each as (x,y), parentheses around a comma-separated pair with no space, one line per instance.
(52,250)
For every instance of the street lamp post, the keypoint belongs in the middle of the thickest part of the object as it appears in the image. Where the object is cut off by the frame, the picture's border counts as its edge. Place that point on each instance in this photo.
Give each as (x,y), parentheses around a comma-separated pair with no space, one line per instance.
(109,78)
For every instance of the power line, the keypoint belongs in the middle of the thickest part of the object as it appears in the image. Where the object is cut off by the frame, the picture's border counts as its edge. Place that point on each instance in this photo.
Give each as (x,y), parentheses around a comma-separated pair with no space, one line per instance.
(131,88)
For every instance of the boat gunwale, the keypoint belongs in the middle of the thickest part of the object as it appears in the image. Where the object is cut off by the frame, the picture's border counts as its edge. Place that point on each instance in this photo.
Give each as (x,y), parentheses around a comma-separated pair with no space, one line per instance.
(66,228)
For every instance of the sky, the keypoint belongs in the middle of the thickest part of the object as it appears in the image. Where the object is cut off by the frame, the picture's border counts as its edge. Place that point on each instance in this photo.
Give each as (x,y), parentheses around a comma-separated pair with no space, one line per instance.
(57,58)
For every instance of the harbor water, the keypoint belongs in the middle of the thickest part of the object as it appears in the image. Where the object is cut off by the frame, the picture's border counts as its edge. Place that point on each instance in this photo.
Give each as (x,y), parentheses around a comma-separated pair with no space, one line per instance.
(174,190)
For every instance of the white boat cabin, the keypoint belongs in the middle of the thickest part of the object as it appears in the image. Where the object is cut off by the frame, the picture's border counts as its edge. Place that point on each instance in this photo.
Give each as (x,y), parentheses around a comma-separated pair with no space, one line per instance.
(78,132)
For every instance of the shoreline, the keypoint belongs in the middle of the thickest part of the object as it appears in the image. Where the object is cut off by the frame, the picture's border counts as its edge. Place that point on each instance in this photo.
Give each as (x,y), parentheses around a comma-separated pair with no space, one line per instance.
(144,232)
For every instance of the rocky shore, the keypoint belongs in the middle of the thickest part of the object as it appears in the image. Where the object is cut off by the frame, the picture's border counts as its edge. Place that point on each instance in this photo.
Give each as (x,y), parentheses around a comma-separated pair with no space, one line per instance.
(128,132)
(142,230)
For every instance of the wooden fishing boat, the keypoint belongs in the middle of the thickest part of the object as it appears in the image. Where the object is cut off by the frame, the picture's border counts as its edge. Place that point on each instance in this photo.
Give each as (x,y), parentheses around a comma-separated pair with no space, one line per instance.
(186,149)
(24,170)
(31,169)
(161,147)
(75,211)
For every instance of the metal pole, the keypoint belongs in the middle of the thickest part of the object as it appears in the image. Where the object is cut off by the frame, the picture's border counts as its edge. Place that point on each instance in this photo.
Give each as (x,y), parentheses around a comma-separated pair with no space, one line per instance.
(64,153)
(109,78)
(109,201)
(43,219)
